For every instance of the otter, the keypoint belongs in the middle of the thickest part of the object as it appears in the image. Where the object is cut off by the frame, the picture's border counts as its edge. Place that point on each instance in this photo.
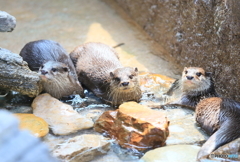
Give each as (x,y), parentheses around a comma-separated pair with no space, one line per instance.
(99,70)
(54,66)
(220,118)
(194,85)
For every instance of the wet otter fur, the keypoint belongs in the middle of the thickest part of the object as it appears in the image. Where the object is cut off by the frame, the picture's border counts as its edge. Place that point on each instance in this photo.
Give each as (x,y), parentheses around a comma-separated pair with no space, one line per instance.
(99,70)
(54,66)
(220,118)
(194,85)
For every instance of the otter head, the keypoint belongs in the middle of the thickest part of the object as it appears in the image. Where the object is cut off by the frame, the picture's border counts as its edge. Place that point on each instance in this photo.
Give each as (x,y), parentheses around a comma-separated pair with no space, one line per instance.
(195,79)
(124,85)
(58,80)
(124,79)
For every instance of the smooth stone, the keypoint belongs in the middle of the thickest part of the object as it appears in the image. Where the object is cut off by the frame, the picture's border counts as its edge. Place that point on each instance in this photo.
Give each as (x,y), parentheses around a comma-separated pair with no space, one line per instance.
(61,117)
(36,125)
(82,148)
(174,153)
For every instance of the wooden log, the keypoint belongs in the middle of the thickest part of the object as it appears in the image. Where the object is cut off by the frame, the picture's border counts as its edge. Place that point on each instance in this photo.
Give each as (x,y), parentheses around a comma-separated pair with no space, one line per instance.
(16,76)
(7,22)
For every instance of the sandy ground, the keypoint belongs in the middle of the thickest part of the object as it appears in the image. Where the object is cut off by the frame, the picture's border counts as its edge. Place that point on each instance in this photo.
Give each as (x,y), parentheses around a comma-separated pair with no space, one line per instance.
(74,22)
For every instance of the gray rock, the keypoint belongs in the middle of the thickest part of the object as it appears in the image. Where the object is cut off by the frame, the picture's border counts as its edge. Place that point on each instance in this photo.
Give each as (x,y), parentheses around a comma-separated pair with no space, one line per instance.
(7,22)
(201,33)
(16,76)
(20,146)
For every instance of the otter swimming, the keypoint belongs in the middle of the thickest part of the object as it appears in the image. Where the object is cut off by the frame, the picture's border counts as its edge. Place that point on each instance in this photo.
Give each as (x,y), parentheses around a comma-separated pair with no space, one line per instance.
(54,66)
(99,69)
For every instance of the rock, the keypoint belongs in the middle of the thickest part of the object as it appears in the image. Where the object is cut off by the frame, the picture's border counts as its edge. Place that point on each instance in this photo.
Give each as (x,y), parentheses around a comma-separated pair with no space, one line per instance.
(184,153)
(20,146)
(61,117)
(182,124)
(36,125)
(82,148)
(134,126)
(7,22)
(201,33)
(16,76)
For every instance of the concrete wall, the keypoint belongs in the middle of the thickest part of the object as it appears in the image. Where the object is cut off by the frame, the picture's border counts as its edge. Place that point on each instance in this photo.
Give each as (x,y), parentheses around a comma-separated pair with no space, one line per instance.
(203,33)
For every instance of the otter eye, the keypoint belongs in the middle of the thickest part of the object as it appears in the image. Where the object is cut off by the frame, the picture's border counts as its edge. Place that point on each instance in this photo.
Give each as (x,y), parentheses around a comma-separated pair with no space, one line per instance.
(65,69)
(131,76)
(186,72)
(54,69)
(117,79)
(198,74)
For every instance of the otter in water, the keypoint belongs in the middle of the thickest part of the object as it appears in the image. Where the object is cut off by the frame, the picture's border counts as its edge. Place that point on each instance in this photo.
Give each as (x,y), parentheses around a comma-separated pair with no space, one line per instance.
(195,84)
(220,118)
(54,66)
(99,69)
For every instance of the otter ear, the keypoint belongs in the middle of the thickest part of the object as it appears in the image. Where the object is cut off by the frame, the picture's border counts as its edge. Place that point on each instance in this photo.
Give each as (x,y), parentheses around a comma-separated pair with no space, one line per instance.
(208,74)
(136,69)
(111,74)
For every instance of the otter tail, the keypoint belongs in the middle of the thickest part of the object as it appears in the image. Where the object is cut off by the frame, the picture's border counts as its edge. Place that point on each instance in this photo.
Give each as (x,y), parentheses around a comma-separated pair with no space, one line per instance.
(225,134)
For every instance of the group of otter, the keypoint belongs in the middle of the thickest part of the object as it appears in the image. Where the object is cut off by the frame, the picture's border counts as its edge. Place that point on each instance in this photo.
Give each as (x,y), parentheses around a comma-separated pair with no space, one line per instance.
(96,67)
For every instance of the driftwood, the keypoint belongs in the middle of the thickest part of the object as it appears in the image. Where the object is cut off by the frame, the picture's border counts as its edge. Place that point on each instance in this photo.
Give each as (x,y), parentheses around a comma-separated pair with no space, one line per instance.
(16,76)
(7,22)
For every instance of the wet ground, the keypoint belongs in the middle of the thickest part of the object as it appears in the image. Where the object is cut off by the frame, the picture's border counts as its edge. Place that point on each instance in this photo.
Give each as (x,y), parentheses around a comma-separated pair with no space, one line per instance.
(75,22)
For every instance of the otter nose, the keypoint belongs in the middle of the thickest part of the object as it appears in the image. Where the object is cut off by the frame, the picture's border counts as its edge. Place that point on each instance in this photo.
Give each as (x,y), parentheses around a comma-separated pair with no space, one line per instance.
(125,83)
(189,77)
(44,72)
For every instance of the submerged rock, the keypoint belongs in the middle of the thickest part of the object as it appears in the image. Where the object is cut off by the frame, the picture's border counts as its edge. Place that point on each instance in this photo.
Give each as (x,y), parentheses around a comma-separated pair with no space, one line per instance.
(61,117)
(134,126)
(82,148)
(36,125)
(183,153)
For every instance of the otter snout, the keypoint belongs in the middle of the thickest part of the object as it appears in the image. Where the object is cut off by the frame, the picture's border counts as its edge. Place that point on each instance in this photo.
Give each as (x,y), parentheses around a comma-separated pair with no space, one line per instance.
(124,84)
(44,72)
(189,77)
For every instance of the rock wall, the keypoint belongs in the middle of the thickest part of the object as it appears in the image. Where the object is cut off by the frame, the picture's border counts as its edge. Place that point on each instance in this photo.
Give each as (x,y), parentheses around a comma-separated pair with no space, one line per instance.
(203,33)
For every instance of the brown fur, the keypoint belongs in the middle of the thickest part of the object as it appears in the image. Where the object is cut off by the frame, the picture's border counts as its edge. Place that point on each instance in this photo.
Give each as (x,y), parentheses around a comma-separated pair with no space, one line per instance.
(99,69)
(54,66)
(220,118)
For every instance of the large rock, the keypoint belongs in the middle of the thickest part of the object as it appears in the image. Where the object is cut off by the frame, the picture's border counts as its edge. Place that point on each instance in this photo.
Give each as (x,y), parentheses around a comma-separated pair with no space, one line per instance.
(20,146)
(134,126)
(7,22)
(183,153)
(82,148)
(61,117)
(16,76)
(195,33)
(36,125)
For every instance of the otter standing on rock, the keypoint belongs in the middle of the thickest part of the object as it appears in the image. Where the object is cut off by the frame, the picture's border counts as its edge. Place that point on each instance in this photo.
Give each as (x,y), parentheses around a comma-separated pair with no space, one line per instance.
(220,118)
(195,84)
(55,67)
(99,69)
